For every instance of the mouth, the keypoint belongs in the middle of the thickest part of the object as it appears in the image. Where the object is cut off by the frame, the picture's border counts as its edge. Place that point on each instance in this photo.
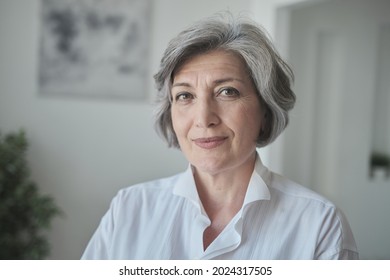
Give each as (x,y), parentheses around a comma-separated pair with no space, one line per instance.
(209,142)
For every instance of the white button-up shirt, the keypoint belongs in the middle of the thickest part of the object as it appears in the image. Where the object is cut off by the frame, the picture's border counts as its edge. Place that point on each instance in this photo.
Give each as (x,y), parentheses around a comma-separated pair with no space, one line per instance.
(165,219)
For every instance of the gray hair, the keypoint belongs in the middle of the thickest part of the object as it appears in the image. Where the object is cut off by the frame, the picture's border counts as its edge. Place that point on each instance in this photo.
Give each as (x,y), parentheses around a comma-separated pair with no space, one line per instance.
(270,74)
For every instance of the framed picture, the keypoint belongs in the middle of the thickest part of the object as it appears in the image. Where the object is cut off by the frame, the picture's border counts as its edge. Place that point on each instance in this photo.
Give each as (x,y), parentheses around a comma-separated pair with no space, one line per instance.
(94,48)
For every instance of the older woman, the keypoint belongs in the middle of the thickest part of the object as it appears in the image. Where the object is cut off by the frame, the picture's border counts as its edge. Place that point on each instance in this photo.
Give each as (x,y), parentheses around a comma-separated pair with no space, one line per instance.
(223,91)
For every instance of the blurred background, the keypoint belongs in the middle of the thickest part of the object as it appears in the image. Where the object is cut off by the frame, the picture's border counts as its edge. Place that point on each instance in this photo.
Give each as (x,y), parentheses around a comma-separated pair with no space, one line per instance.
(83,149)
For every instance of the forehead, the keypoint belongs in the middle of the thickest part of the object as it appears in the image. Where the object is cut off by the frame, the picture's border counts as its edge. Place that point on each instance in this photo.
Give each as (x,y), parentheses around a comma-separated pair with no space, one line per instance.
(217,61)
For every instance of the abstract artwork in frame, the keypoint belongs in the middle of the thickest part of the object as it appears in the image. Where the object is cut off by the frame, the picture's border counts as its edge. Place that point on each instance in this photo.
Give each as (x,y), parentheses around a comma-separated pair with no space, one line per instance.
(94,48)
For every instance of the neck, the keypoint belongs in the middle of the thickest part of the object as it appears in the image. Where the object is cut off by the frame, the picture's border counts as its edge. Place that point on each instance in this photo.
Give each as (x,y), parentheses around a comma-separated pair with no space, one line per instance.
(226,189)
(222,196)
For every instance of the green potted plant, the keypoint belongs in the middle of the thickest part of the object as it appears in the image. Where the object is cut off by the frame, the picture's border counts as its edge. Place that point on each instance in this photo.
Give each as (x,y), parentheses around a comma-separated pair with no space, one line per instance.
(25,213)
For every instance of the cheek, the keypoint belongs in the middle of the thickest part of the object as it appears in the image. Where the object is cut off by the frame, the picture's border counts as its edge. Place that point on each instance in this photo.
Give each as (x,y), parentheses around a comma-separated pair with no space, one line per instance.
(256,117)
(174,122)
(179,124)
(251,123)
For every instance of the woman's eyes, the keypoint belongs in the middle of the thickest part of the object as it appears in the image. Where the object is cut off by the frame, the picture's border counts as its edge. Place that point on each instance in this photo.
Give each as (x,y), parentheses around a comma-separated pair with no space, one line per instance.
(228,92)
(183,96)
(225,93)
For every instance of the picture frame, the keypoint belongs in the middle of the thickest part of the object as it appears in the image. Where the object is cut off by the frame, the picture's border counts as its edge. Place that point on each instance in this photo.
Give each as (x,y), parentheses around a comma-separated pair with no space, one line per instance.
(94,48)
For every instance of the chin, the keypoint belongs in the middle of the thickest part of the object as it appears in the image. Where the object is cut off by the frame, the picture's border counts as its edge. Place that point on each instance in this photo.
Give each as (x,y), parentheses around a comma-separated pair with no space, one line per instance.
(210,166)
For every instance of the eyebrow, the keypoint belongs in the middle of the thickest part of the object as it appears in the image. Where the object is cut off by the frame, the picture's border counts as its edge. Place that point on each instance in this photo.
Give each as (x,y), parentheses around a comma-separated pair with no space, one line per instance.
(215,83)
(181,85)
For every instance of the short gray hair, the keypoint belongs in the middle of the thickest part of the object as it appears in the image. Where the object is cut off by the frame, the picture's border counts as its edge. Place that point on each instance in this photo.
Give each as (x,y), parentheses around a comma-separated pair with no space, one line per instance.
(271,75)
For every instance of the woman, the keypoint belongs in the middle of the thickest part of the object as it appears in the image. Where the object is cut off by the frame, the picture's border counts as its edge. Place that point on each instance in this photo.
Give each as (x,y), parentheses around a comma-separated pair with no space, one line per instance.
(223,91)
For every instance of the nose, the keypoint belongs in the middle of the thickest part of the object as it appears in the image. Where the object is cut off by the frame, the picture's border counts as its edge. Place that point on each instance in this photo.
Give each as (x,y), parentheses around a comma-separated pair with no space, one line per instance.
(206,113)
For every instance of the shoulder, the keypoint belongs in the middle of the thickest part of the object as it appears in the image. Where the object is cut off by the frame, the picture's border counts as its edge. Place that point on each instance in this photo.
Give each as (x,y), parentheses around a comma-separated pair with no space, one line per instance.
(316,207)
(150,190)
(284,187)
(303,202)
(314,211)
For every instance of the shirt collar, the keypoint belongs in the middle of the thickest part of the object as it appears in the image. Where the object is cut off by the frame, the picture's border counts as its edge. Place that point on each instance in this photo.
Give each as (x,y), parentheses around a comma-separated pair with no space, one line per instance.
(257,188)
(185,186)
(258,184)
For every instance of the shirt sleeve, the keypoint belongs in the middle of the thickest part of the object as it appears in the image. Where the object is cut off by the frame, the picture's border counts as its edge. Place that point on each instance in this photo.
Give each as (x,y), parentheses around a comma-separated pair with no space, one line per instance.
(99,245)
(336,241)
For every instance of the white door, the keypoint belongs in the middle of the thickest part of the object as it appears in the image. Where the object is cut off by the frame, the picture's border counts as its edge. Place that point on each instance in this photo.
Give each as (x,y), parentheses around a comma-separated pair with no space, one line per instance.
(340,52)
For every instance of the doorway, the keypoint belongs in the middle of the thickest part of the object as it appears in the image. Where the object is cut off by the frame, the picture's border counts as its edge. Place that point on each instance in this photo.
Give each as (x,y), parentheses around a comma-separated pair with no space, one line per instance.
(339,51)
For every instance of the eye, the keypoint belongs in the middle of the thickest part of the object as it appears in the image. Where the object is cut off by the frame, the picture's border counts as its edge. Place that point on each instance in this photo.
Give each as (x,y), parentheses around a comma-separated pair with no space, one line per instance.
(228,92)
(183,97)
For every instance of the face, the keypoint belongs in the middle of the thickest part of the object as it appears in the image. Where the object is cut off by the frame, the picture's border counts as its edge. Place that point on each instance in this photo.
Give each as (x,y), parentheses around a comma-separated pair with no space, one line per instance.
(216,113)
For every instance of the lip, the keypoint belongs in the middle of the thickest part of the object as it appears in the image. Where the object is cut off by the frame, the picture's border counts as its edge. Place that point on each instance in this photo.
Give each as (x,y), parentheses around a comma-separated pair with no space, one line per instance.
(209,142)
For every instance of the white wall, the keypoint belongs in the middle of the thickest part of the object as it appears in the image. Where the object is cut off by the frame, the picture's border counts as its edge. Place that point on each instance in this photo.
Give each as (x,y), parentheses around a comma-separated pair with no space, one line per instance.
(83,150)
